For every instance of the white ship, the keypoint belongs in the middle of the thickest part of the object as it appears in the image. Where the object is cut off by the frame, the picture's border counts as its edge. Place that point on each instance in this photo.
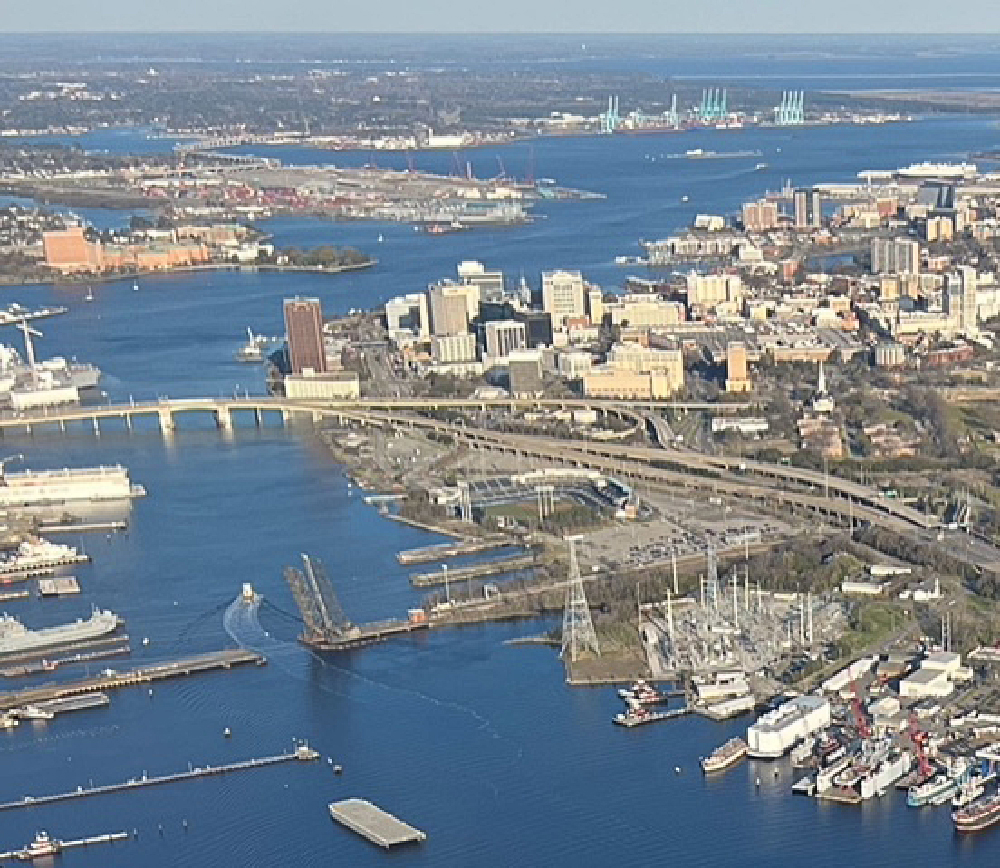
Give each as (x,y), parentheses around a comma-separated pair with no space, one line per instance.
(39,555)
(41,384)
(15,638)
(938,170)
(41,487)
(776,731)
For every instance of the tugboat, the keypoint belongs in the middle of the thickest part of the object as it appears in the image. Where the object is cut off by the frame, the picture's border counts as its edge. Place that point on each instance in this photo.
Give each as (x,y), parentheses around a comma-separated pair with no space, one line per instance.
(724,756)
(978,815)
(42,846)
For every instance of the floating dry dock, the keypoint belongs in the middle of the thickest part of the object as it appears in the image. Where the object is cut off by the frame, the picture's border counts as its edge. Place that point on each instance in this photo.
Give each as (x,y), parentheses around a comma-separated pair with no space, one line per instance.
(378,826)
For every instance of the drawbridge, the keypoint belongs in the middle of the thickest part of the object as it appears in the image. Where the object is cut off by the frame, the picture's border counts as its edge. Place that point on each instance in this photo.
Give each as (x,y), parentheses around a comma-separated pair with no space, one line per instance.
(325,626)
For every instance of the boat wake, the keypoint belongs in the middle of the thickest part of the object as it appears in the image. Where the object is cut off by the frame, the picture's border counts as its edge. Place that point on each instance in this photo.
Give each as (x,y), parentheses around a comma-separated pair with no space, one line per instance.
(241,622)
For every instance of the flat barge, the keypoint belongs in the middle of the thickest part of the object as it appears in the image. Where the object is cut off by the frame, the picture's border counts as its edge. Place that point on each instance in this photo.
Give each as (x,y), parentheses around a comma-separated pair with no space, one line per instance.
(371,822)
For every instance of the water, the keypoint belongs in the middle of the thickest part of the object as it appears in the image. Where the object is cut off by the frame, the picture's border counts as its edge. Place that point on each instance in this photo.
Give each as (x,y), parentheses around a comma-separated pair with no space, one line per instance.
(478,743)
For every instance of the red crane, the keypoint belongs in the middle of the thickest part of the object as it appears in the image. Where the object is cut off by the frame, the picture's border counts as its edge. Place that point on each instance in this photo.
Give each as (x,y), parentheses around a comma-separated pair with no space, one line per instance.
(919,739)
(860,721)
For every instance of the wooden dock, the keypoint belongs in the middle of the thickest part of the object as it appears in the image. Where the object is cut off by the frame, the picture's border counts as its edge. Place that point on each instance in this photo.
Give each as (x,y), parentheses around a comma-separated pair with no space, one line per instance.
(130,678)
(378,826)
(303,753)
(475,571)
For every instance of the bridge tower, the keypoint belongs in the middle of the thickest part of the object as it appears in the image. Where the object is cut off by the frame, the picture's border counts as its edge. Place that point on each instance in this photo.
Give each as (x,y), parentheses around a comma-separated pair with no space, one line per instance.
(578,633)
(323,617)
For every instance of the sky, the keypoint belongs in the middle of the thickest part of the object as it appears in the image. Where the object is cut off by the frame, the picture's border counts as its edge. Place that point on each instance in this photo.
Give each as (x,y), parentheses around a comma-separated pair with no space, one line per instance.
(552,16)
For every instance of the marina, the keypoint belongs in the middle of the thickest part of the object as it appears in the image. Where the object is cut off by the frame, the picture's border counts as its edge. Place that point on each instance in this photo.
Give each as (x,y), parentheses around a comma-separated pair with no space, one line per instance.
(378,826)
(303,753)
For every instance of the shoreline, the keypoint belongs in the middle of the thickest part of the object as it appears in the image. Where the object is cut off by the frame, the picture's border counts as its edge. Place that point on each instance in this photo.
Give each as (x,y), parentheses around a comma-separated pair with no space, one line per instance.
(76,280)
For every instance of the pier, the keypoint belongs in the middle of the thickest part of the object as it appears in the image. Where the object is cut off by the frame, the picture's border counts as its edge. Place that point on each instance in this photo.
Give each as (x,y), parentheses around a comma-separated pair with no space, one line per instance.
(303,753)
(371,822)
(25,855)
(47,655)
(142,675)
(439,551)
(445,576)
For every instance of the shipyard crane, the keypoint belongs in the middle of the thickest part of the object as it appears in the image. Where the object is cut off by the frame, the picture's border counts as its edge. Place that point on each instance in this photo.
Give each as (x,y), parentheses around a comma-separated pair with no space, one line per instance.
(29,346)
(919,739)
(860,721)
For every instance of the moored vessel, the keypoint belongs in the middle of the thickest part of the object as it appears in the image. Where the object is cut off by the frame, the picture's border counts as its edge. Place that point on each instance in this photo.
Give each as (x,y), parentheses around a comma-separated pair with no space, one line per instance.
(725,755)
(927,792)
(15,638)
(43,845)
(980,814)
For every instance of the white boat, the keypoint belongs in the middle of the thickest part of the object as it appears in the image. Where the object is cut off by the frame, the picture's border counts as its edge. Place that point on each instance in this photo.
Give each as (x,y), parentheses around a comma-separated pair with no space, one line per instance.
(33,712)
(927,792)
(969,790)
(42,846)
(40,554)
(135,287)
(724,756)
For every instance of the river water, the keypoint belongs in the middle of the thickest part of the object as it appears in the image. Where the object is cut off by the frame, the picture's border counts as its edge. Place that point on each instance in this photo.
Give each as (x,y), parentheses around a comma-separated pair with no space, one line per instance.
(478,743)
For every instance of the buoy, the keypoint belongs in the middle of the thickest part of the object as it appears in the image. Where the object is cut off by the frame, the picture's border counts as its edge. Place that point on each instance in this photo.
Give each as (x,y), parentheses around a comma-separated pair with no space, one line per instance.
(161,828)
(758,782)
(145,640)
(776,772)
(135,833)
(227,732)
(185,824)
(677,770)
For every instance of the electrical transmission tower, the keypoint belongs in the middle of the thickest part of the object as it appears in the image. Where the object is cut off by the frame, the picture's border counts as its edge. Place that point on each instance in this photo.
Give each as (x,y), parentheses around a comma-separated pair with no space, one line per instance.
(578,629)
(323,617)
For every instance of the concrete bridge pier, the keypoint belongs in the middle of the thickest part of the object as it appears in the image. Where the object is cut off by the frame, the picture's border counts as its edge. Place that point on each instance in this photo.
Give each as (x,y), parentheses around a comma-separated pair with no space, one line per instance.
(128,422)
(166,419)
(224,419)
(257,416)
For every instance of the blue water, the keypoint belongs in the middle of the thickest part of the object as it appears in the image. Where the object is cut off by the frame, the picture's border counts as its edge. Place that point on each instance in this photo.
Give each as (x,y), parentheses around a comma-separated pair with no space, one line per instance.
(478,743)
